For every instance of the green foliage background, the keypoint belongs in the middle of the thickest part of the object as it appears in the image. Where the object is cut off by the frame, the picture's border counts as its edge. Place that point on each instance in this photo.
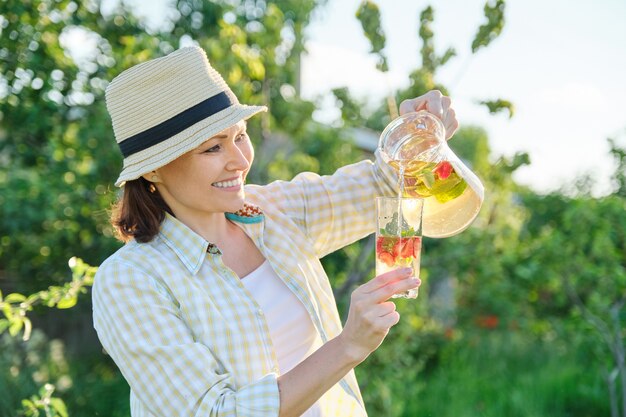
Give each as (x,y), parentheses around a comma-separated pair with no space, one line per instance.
(521,315)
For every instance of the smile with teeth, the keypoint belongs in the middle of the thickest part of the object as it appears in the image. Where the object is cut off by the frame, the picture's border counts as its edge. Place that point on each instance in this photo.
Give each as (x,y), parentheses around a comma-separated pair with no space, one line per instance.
(227,184)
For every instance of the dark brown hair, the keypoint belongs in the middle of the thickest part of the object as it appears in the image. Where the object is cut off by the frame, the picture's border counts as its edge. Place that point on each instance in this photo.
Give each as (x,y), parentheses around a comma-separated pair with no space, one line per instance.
(138,213)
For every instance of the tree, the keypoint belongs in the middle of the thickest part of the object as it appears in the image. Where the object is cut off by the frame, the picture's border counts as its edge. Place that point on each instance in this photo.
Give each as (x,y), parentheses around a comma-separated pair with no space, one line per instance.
(58,159)
(57,156)
(413,346)
(590,286)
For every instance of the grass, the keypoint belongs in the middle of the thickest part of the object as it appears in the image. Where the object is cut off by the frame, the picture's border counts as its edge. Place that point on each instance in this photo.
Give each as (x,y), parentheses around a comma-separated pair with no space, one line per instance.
(483,374)
(89,386)
(494,374)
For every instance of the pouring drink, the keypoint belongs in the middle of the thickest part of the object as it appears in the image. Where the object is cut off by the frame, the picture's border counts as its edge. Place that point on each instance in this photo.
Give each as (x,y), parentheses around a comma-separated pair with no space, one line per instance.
(415,146)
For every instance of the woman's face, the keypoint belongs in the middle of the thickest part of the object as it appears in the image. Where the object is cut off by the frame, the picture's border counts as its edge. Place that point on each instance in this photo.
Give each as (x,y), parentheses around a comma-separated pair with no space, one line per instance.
(210,178)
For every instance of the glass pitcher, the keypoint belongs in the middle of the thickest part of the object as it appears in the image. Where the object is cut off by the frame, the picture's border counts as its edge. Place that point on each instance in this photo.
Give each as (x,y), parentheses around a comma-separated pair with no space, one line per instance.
(414,145)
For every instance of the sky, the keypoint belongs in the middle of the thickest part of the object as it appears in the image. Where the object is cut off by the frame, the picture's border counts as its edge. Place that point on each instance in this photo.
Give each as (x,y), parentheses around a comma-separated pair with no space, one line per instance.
(561,62)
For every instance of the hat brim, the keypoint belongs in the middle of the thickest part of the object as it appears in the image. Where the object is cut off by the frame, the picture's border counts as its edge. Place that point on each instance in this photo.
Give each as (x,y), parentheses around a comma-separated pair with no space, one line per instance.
(165,152)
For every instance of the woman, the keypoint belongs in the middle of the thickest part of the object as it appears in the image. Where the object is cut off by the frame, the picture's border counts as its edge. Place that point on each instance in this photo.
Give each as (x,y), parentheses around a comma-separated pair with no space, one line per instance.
(218,304)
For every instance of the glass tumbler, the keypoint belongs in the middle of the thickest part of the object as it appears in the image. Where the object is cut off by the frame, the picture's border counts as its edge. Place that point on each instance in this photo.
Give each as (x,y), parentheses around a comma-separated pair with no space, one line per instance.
(399,236)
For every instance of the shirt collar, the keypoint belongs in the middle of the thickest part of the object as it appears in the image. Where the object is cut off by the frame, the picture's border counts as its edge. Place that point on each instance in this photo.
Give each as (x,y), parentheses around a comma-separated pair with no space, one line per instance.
(190,247)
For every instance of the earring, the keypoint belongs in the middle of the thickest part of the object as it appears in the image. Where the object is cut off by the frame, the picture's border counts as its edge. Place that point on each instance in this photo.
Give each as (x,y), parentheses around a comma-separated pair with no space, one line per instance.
(151,188)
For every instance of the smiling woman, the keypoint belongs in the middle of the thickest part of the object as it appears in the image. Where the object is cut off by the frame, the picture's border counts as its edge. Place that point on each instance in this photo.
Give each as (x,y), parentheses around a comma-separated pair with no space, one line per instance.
(218,303)
(209,179)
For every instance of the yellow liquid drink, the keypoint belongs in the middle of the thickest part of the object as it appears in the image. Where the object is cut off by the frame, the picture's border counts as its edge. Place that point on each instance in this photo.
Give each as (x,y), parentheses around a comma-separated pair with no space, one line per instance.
(398,236)
(451,201)
(414,145)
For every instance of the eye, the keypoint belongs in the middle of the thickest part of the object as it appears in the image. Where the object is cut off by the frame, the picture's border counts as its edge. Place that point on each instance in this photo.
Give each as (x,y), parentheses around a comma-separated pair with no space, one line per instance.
(212,149)
(241,136)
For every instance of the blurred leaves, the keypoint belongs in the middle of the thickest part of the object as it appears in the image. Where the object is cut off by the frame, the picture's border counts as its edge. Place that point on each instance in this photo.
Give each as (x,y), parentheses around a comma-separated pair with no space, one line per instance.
(489,31)
(619,177)
(58,157)
(430,60)
(530,266)
(15,306)
(499,105)
(369,16)
(44,402)
(350,107)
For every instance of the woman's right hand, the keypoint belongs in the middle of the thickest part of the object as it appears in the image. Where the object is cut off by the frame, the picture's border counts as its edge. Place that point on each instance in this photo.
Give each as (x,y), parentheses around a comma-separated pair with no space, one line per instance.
(371,315)
(369,320)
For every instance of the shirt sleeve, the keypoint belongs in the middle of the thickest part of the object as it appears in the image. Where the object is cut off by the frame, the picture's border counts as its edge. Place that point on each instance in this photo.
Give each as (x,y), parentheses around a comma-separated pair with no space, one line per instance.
(334,210)
(139,325)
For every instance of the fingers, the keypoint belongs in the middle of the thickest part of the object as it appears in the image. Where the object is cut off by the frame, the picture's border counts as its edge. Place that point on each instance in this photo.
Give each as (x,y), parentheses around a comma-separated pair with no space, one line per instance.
(446,102)
(448,117)
(371,316)
(397,287)
(382,316)
(384,279)
(450,123)
(388,314)
(431,102)
(436,103)
(391,319)
(385,285)
(412,105)
(383,309)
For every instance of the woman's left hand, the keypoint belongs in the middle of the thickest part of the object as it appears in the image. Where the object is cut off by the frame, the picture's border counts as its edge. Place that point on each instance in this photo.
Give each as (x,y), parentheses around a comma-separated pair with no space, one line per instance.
(436,103)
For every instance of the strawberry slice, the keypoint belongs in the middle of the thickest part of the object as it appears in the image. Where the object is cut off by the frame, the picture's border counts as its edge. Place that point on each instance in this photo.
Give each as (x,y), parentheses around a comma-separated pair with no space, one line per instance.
(411,247)
(386,258)
(395,250)
(391,249)
(407,249)
(443,170)
(417,246)
(380,242)
(387,244)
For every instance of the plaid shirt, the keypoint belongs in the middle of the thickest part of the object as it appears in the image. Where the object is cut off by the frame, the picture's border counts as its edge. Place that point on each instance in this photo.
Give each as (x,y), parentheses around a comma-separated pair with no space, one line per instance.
(186,334)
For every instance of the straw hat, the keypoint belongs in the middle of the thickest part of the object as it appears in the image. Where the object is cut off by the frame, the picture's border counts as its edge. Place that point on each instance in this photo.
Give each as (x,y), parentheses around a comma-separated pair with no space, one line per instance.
(168,106)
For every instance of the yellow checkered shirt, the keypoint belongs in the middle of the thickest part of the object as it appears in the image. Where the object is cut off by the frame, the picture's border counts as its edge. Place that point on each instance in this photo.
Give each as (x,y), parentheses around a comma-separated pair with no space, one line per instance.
(187,335)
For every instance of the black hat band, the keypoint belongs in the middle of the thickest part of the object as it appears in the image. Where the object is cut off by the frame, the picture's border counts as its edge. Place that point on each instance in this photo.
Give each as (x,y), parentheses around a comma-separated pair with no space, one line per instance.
(174,125)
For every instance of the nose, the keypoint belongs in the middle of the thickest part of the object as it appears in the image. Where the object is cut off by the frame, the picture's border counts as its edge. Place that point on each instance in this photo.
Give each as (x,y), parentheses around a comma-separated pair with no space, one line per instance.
(237,160)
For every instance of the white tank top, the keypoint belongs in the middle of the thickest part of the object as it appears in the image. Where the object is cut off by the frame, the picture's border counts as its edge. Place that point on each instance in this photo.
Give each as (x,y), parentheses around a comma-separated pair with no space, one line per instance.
(292,331)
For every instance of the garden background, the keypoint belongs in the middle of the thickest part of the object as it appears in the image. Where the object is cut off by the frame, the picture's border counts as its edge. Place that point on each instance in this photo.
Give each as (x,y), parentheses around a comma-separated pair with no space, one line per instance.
(520,315)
